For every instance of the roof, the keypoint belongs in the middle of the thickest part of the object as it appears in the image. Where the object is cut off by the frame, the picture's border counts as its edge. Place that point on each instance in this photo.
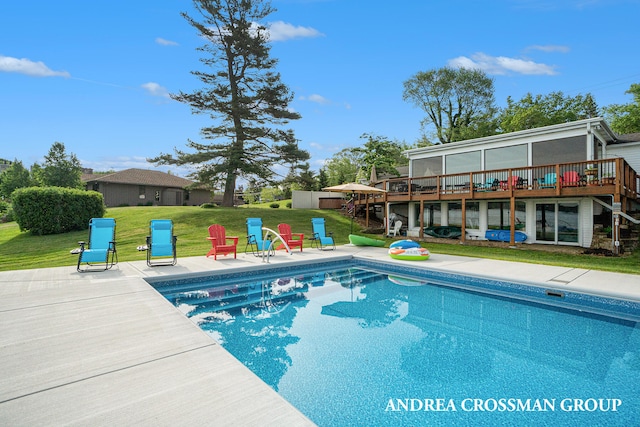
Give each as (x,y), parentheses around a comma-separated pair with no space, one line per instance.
(139,177)
(629,137)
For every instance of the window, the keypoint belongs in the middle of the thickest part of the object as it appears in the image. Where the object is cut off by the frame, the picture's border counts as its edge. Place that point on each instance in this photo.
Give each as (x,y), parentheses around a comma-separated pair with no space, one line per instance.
(559,151)
(463,162)
(432,215)
(557,222)
(455,214)
(505,157)
(499,215)
(426,167)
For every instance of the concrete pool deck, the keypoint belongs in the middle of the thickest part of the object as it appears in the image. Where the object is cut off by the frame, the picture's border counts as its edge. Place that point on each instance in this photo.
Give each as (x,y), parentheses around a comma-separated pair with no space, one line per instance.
(105,348)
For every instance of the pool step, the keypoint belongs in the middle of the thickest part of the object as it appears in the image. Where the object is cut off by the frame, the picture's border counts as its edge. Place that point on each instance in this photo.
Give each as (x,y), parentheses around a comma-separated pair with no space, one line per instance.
(232,296)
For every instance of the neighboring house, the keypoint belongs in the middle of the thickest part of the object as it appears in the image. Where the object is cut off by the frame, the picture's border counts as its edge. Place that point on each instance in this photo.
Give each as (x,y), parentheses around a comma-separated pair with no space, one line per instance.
(133,187)
(558,184)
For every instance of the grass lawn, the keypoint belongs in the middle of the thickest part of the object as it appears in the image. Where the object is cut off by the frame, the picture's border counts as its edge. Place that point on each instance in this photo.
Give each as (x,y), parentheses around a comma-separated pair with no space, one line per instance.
(21,250)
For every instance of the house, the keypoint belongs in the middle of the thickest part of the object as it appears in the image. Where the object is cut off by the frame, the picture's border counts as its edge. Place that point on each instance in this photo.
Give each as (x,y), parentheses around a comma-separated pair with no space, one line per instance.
(557,184)
(132,187)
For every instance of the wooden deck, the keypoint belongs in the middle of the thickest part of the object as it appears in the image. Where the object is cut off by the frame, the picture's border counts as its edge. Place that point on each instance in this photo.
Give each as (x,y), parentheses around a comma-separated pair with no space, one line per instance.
(595,178)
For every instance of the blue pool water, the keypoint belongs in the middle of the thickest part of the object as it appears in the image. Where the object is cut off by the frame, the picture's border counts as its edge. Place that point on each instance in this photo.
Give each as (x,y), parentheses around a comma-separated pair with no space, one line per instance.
(352,344)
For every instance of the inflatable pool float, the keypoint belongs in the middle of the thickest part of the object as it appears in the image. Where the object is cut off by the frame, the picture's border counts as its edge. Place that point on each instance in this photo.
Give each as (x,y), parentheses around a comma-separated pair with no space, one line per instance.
(404,244)
(364,241)
(409,254)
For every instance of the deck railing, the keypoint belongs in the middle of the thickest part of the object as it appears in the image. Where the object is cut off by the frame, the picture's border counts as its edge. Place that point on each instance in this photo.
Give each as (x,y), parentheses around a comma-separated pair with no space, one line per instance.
(607,176)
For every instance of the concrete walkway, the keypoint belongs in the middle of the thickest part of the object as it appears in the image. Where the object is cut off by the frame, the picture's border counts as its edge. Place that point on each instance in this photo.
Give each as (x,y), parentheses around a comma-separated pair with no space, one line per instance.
(105,349)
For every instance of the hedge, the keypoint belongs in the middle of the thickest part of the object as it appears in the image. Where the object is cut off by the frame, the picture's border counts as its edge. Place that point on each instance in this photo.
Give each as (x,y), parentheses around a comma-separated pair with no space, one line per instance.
(55,210)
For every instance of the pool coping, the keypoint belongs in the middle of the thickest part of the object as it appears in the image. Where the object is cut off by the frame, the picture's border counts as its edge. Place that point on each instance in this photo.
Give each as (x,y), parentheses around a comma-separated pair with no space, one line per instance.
(106,348)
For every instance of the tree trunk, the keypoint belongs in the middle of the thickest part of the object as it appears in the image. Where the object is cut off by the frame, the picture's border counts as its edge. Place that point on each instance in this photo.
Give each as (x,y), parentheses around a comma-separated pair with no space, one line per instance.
(229,191)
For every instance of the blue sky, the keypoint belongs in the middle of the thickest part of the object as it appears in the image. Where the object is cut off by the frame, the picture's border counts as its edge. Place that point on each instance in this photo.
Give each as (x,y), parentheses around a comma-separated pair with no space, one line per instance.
(96,75)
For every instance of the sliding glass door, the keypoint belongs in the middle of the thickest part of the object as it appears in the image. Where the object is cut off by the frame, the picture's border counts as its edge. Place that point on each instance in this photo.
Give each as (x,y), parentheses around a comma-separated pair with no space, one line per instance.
(557,222)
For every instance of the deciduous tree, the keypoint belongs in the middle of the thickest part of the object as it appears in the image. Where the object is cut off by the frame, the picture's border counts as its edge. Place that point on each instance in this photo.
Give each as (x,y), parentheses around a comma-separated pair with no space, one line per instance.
(545,110)
(243,95)
(14,177)
(625,118)
(458,102)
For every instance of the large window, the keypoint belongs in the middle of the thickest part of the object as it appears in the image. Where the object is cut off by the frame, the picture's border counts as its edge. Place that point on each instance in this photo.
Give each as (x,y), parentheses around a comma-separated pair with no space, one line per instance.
(559,151)
(426,167)
(472,215)
(557,222)
(432,215)
(499,215)
(505,157)
(463,162)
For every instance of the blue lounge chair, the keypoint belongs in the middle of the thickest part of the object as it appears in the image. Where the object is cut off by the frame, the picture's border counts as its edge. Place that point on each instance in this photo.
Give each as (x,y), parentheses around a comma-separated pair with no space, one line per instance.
(255,239)
(320,239)
(101,248)
(161,242)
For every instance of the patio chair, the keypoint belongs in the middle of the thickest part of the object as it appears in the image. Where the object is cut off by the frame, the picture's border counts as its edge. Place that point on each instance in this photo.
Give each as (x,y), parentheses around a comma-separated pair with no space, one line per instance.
(220,242)
(571,179)
(489,185)
(396,228)
(101,248)
(549,180)
(516,182)
(320,239)
(255,239)
(294,240)
(161,242)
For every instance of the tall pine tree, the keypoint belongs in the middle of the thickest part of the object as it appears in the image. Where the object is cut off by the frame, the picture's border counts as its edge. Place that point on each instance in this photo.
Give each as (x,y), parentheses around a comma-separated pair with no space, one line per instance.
(243,95)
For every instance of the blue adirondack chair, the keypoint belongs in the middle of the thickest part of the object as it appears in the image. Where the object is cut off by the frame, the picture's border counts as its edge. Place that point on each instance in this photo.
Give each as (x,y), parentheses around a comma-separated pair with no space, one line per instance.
(161,242)
(320,239)
(101,248)
(549,180)
(255,239)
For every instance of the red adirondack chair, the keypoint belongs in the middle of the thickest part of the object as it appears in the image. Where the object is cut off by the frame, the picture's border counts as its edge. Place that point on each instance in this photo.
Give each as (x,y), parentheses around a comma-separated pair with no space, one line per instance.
(293,239)
(219,239)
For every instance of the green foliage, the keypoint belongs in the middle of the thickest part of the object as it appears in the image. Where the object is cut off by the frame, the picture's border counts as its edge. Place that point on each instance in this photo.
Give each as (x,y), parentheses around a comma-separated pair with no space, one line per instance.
(288,205)
(208,206)
(53,210)
(14,177)
(385,155)
(343,166)
(243,94)
(271,194)
(625,118)
(274,205)
(555,108)
(458,102)
(60,169)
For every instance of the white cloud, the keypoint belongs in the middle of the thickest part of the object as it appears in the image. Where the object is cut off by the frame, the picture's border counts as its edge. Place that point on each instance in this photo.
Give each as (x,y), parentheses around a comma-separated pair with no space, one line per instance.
(550,48)
(502,65)
(280,31)
(318,99)
(28,67)
(155,89)
(165,42)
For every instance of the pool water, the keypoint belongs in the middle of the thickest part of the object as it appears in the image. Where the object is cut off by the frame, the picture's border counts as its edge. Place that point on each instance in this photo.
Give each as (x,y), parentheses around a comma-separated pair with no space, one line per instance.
(355,346)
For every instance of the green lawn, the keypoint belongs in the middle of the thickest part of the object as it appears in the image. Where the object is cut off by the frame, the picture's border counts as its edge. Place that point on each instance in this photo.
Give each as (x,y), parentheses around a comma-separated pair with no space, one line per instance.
(21,250)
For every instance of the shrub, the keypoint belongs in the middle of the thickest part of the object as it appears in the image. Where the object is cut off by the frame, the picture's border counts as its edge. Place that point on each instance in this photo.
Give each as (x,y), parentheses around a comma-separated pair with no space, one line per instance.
(289,205)
(7,215)
(208,205)
(54,210)
(274,205)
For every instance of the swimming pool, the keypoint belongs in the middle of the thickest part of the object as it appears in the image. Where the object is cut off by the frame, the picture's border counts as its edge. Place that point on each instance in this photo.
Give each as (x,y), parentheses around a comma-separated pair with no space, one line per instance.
(365,343)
